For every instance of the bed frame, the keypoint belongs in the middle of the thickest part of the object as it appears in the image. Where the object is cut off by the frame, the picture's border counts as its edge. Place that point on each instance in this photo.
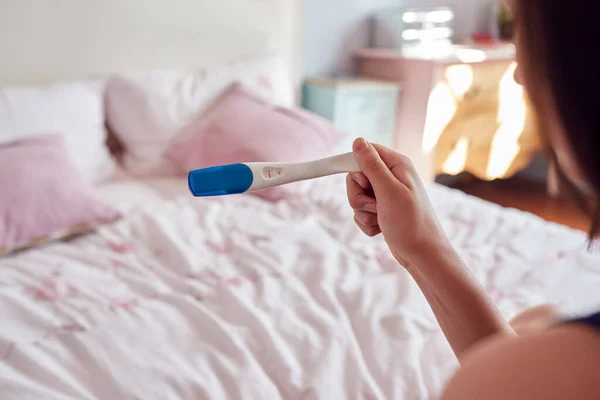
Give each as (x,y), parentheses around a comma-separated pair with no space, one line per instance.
(51,40)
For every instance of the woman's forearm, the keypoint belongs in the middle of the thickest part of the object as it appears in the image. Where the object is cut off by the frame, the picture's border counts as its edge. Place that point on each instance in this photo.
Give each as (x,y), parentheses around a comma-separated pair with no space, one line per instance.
(463,310)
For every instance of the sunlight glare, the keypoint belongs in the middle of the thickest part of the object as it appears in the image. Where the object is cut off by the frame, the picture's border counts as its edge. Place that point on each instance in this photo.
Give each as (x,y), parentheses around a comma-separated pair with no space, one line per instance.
(460,78)
(511,117)
(456,161)
(440,110)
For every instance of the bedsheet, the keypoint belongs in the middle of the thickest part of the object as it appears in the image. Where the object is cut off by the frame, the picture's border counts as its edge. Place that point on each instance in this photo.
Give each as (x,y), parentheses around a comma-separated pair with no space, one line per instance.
(237,298)
(128,194)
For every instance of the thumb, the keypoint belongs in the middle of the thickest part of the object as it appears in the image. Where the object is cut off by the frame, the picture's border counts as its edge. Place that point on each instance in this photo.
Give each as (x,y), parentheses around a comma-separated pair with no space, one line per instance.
(372,165)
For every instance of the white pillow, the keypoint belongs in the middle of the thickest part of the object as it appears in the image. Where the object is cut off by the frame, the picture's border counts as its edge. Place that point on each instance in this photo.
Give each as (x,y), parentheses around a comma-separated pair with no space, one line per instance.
(73,109)
(148,109)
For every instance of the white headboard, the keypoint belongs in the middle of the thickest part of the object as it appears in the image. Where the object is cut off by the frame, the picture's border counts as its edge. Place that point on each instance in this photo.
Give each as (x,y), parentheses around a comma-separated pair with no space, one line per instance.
(49,40)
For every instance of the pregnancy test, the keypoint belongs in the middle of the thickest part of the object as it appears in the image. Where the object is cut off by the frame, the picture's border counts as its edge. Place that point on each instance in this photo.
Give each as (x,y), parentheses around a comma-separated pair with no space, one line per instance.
(250,177)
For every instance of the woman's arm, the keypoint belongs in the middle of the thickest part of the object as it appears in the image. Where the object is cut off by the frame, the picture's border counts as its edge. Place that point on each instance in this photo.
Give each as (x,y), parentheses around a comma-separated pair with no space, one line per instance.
(460,305)
(560,363)
(389,197)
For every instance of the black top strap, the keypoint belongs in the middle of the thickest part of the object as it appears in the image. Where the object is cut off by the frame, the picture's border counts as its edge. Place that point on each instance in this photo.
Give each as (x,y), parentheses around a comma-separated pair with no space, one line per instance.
(592,321)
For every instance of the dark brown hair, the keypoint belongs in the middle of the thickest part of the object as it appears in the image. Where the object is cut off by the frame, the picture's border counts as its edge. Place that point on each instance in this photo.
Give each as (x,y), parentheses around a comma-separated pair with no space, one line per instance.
(562,78)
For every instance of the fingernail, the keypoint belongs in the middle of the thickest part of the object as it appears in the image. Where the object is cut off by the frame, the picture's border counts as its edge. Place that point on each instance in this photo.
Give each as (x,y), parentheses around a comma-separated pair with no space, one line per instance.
(360,145)
(372,208)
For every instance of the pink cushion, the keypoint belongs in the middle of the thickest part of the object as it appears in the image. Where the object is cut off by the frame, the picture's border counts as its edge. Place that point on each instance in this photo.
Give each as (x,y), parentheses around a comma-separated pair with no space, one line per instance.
(243,127)
(43,195)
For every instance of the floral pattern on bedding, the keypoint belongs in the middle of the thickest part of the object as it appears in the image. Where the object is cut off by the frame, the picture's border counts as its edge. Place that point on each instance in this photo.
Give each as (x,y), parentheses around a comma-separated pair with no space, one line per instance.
(236,298)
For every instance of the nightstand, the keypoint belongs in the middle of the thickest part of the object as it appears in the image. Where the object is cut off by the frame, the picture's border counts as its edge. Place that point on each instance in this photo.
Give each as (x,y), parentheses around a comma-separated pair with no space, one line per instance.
(461,110)
(359,107)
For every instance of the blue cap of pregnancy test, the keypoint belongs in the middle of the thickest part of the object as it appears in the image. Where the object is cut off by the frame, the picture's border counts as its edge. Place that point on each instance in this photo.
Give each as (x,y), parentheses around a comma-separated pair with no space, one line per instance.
(220,180)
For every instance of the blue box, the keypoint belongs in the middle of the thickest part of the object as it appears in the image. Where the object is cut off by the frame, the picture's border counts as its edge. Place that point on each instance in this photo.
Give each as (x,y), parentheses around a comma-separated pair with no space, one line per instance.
(361,108)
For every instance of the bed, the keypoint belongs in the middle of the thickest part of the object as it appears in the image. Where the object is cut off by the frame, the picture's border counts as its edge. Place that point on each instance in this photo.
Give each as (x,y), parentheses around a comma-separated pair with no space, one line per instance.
(245,297)
(237,298)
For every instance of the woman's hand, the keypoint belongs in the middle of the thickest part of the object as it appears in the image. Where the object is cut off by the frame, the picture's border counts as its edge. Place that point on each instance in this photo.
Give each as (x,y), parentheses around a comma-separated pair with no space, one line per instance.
(389,197)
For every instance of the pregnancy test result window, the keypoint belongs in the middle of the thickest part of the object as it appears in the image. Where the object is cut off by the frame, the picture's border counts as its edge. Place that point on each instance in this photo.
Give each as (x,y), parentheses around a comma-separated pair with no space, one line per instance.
(272,173)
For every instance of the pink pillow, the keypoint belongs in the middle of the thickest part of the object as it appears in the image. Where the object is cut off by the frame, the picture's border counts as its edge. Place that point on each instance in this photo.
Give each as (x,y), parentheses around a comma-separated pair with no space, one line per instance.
(43,195)
(243,127)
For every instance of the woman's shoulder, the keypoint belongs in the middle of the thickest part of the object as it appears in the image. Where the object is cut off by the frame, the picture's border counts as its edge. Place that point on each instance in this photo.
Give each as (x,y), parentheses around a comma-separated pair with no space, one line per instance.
(561,362)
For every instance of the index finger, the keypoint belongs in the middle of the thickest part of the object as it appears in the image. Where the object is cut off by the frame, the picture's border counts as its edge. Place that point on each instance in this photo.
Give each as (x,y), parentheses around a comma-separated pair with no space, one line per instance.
(357,197)
(361,179)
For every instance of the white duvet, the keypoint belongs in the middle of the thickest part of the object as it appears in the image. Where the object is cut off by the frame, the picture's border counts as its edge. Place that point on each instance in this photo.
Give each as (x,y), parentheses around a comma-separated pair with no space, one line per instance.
(236,298)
